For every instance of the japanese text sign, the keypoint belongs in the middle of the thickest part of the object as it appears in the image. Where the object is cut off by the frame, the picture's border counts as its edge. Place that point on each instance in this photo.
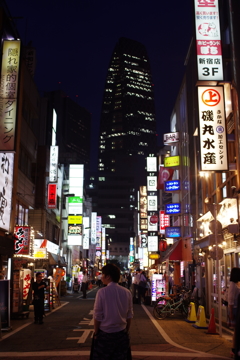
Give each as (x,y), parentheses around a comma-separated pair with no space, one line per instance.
(53,167)
(152,243)
(52,196)
(164,221)
(9,93)
(171,161)
(6,180)
(213,142)
(173,185)
(208,40)
(22,240)
(173,232)
(172,209)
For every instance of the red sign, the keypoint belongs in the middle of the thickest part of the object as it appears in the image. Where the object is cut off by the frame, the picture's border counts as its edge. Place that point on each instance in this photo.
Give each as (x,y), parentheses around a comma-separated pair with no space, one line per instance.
(52,196)
(164,220)
(154,219)
(21,240)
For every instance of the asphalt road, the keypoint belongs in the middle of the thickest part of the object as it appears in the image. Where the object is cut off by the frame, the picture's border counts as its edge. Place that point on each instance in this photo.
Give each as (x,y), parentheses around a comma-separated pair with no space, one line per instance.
(67,331)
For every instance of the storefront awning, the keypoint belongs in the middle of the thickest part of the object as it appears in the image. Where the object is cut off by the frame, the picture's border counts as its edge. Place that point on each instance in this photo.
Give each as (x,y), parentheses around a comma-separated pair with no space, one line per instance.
(54,259)
(174,252)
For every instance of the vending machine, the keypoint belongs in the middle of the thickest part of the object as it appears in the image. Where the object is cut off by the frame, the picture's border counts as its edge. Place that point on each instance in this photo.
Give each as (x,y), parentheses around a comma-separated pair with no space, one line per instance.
(158,286)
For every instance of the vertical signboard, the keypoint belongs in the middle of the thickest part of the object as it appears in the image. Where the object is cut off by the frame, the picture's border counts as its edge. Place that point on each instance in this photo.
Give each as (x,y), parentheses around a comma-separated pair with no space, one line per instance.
(86,229)
(22,240)
(52,196)
(212,128)
(6,181)
(103,246)
(93,228)
(8,93)
(53,166)
(208,40)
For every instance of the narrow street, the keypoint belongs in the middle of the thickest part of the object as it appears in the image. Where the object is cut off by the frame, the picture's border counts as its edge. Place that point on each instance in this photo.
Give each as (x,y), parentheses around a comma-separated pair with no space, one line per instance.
(67,333)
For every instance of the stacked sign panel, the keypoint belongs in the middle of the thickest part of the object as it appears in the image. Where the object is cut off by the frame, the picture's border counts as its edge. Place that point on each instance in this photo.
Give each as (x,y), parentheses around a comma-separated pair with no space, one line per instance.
(208,40)
(213,132)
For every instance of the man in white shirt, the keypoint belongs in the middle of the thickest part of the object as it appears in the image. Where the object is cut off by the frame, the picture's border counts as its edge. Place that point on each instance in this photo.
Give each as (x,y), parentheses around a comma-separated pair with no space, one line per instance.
(135,284)
(113,311)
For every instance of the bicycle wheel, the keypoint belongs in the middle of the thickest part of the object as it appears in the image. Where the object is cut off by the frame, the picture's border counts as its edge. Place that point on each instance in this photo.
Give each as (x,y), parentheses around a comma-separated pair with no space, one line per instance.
(158,312)
(184,311)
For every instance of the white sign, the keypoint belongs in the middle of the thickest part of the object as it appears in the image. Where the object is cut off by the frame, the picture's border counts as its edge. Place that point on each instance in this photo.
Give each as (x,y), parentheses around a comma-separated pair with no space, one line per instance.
(152,203)
(170,138)
(208,40)
(151,183)
(9,93)
(86,232)
(151,226)
(212,128)
(53,167)
(152,243)
(93,228)
(151,164)
(6,184)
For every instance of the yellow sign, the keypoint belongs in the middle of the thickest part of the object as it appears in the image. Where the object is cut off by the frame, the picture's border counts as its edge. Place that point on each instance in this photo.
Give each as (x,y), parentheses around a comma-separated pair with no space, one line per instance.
(154,256)
(75,219)
(40,253)
(171,161)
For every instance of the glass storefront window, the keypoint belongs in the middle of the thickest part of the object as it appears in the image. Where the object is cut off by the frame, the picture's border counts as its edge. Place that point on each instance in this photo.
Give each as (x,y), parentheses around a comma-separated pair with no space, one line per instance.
(20,215)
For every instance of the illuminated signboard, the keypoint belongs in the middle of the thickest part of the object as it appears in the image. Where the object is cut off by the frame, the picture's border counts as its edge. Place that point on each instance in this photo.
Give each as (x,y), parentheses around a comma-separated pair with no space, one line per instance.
(172,209)
(75,219)
(208,40)
(152,183)
(152,243)
(103,245)
(86,232)
(22,240)
(173,232)
(151,164)
(93,228)
(76,173)
(171,161)
(6,185)
(143,202)
(52,196)
(172,185)
(53,166)
(152,203)
(170,138)
(152,226)
(9,93)
(212,128)
(164,221)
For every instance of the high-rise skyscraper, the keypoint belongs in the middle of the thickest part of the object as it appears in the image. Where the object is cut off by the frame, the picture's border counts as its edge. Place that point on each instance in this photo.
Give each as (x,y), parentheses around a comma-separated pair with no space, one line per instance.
(127,137)
(128,125)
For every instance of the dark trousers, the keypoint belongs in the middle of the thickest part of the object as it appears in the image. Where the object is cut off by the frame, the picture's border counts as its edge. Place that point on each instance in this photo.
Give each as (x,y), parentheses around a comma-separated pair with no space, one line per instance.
(39,310)
(141,293)
(135,290)
(111,346)
(84,290)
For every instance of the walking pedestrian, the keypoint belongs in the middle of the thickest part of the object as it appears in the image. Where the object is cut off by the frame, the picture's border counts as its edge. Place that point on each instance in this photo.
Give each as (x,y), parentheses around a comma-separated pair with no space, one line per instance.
(129,281)
(113,311)
(38,298)
(142,287)
(233,293)
(135,283)
(99,280)
(84,284)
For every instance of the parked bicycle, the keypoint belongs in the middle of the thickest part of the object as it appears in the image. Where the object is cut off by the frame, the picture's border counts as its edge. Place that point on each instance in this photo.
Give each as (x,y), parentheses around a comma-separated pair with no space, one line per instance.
(169,306)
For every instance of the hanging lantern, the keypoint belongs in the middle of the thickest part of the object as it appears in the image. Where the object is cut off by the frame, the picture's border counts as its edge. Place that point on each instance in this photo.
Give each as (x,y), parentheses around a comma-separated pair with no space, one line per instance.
(162,245)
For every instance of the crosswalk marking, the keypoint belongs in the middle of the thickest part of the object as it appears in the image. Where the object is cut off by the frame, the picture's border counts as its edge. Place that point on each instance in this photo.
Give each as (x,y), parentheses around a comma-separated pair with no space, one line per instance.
(81,339)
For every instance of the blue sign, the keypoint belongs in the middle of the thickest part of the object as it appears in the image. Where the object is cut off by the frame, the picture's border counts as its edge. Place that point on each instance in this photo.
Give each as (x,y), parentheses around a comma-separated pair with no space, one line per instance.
(173,232)
(172,185)
(173,209)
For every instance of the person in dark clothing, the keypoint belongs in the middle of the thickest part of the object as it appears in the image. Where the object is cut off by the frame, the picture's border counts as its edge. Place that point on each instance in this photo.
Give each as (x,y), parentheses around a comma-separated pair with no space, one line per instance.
(38,298)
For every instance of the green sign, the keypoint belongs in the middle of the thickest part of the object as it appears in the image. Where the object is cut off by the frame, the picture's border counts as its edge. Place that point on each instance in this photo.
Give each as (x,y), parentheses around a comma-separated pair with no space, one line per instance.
(75,200)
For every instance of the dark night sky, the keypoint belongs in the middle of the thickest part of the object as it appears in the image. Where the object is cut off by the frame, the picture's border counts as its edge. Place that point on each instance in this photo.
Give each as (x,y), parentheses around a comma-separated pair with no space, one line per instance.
(74,40)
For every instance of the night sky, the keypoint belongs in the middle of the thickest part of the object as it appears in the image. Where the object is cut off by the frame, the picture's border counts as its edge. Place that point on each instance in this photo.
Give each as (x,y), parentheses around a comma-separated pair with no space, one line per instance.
(74,40)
